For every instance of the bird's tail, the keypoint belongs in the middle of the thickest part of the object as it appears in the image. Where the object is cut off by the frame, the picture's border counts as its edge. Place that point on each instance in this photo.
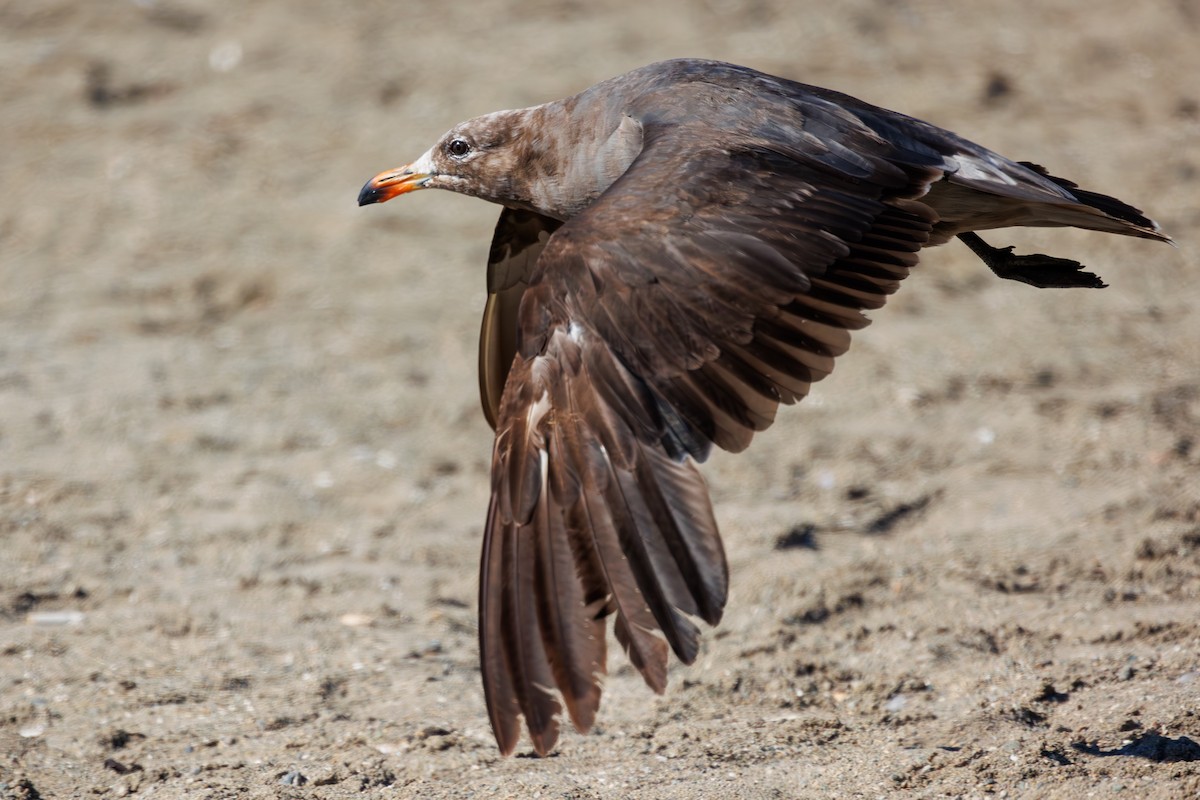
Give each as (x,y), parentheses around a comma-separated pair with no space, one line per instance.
(1114,215)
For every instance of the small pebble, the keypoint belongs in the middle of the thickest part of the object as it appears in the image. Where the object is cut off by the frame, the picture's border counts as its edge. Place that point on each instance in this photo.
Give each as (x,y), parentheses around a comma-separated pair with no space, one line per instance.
(293,778)
(32,730)
(55,618)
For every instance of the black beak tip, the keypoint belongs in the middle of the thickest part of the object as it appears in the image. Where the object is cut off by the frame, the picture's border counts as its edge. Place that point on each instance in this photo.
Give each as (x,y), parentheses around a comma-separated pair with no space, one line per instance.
(368,195)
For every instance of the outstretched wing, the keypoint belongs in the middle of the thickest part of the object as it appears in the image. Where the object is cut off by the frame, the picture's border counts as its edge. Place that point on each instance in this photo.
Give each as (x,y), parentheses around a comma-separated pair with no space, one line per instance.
(713,281)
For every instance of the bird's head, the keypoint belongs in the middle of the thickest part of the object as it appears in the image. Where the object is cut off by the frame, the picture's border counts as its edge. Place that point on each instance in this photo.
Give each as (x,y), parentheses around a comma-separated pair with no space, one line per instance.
(479,158)
(539,159)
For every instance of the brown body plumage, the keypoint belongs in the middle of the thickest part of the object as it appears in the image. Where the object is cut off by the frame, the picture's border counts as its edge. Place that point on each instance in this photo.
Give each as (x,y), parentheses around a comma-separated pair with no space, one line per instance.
(682,249)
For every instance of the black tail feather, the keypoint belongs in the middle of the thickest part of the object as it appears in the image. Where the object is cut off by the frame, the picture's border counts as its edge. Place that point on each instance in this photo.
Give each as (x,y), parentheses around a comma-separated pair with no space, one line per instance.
(1102,202)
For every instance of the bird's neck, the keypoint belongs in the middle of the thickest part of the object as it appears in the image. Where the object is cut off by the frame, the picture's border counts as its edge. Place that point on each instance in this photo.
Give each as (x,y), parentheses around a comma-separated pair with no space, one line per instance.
(573,153)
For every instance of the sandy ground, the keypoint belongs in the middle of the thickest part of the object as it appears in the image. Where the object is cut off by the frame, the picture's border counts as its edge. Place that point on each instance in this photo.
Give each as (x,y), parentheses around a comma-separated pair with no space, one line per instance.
(243,470)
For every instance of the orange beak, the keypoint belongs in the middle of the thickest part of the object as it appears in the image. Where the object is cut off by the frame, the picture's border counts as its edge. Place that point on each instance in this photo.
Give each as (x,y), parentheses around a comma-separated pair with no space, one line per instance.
(386,185)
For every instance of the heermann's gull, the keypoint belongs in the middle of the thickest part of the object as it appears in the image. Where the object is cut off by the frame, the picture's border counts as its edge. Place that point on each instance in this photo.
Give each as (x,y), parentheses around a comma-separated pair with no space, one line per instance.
(682,248)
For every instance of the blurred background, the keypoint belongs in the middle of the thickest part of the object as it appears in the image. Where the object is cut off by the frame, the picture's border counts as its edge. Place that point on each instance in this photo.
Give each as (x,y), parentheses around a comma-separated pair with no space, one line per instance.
(243,470)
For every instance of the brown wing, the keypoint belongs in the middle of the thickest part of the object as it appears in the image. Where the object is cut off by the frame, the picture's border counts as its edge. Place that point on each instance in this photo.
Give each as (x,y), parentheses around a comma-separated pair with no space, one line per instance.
(516,245)
(708,285)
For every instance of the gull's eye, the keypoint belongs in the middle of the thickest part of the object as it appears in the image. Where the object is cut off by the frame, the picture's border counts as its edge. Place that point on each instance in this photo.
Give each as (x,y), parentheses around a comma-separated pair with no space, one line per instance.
(458,147)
